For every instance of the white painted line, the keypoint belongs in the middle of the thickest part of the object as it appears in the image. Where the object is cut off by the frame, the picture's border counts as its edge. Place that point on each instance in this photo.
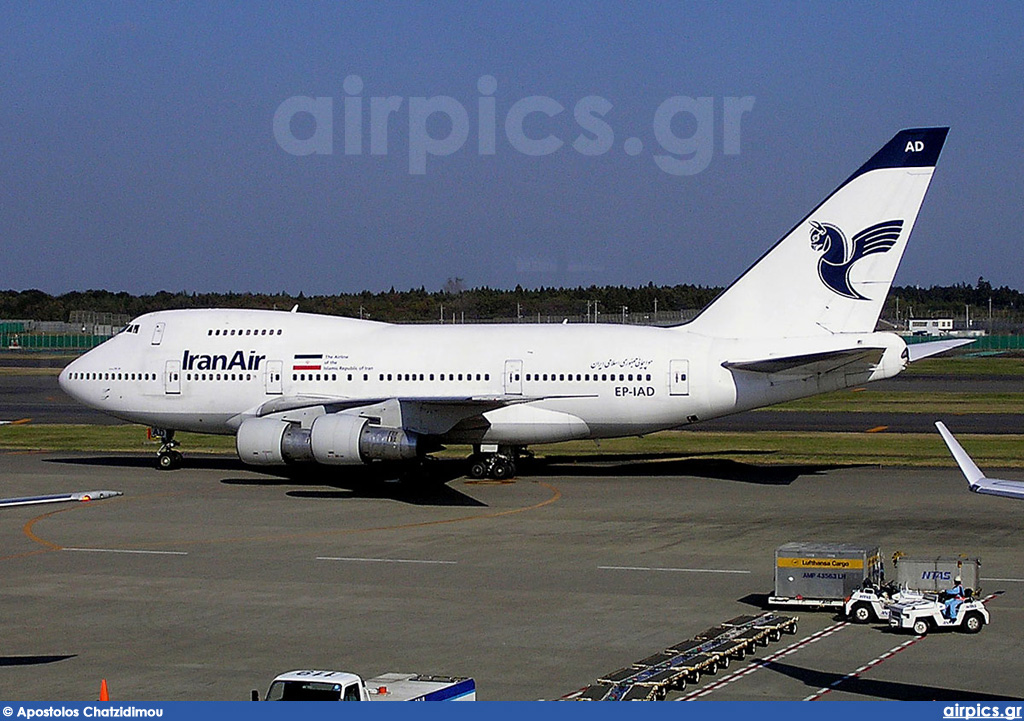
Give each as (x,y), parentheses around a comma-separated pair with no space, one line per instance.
(874,662)
(125,550)
(1005,580)
(869,665)
(757,664)
(670,570)
(386,560)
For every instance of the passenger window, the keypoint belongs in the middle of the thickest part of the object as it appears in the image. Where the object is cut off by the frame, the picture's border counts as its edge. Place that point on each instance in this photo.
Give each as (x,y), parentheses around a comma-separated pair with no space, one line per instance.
(209,332)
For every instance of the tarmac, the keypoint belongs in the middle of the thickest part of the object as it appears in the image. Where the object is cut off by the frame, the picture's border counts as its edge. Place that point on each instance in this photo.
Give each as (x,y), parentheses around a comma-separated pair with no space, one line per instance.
(204,583)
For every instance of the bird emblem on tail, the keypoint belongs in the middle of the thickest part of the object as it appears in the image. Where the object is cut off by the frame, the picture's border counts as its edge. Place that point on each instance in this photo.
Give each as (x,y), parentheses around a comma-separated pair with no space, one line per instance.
(838,255)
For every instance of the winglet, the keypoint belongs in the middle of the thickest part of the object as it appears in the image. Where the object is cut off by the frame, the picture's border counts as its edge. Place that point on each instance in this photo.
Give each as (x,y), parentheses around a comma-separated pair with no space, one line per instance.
(967,466)
(979,483)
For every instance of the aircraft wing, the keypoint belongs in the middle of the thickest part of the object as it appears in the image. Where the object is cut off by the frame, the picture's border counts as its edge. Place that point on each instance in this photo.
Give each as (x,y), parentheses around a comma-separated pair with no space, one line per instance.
(975,478)
(334,404)
(423,414)
(82,497)
(917,351)
(810,363)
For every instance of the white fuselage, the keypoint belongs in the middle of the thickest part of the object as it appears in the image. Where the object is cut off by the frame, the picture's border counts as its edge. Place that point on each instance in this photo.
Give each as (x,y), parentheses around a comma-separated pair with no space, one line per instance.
(209,370)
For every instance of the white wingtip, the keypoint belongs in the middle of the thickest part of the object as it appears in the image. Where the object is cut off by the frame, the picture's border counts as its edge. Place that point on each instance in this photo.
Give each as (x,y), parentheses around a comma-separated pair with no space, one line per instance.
(967,466)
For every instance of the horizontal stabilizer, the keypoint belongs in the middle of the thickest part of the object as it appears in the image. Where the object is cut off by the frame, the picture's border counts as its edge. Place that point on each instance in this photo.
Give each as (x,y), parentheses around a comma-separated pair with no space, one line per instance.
(810,362)
(975,478)
(917,351)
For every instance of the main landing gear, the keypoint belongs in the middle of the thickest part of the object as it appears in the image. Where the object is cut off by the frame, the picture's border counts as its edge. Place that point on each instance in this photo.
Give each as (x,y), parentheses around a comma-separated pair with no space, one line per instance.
(167,459)
(497,462)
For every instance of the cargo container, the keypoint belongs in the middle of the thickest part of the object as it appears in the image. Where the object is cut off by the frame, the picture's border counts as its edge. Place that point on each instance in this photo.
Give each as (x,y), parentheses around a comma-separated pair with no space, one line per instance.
(937,574)
(823,574)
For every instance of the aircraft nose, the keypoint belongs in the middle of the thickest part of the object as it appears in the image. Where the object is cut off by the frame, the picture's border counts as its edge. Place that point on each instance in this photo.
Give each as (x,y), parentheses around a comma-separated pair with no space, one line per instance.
(64,379)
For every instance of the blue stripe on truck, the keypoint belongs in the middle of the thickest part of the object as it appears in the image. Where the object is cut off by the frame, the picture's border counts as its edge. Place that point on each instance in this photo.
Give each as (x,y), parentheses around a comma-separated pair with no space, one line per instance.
(451,693)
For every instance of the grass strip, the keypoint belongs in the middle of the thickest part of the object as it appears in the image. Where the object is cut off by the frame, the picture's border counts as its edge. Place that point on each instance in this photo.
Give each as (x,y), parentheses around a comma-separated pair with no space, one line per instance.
(867,400)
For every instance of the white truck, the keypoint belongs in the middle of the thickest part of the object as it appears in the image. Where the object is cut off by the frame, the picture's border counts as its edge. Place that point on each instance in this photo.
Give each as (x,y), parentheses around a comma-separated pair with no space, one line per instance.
(915,577)
(928,614)
(318,685)
(872,603)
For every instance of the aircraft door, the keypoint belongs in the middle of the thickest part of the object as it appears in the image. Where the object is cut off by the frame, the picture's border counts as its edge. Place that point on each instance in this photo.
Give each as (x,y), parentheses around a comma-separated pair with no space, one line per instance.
(679,378)
(172,377)
(273,377)
(514,377)
(158,334)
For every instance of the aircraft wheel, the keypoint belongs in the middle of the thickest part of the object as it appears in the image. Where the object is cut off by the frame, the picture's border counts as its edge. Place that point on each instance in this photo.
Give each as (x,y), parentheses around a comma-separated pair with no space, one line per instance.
(502,469)
(478,470)
(169,460)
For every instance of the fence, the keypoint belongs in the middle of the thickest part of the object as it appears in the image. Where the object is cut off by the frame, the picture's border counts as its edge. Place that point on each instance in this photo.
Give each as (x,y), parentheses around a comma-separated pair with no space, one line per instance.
(982,343)
(50,341)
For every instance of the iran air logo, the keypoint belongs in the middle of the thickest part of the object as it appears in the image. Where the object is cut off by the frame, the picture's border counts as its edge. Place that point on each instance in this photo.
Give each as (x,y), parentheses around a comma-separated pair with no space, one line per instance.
(839,255)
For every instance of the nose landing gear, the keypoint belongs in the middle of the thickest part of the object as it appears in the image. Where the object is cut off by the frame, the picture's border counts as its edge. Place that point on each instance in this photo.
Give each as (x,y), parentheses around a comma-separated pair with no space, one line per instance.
(167,459)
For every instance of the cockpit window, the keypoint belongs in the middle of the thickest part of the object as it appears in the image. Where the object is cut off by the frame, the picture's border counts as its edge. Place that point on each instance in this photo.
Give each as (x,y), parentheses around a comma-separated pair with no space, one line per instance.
(130,328)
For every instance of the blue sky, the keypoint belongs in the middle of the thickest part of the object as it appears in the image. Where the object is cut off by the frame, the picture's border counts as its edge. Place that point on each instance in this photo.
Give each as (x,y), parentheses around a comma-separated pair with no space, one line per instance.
(140,154)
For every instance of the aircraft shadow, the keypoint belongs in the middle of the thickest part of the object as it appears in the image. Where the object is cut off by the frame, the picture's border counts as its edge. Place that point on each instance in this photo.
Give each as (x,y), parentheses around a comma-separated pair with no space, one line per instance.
(360,480)
(672,465)
(427,486)
(424,487)
(890,690)
(33,660)
(215,463)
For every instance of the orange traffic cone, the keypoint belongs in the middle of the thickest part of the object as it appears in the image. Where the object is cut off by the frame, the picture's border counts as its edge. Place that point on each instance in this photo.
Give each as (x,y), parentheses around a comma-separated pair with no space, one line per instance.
(104,694)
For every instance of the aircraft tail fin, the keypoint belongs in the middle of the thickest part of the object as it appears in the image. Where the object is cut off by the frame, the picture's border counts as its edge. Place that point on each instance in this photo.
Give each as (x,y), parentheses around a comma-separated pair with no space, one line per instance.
(832,271)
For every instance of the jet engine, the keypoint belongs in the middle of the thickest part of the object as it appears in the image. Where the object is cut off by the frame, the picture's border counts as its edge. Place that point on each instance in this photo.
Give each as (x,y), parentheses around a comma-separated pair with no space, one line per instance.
(334,439)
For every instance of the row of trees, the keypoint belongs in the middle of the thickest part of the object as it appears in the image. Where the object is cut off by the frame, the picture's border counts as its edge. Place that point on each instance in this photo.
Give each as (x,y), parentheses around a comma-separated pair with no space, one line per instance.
(455,301)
